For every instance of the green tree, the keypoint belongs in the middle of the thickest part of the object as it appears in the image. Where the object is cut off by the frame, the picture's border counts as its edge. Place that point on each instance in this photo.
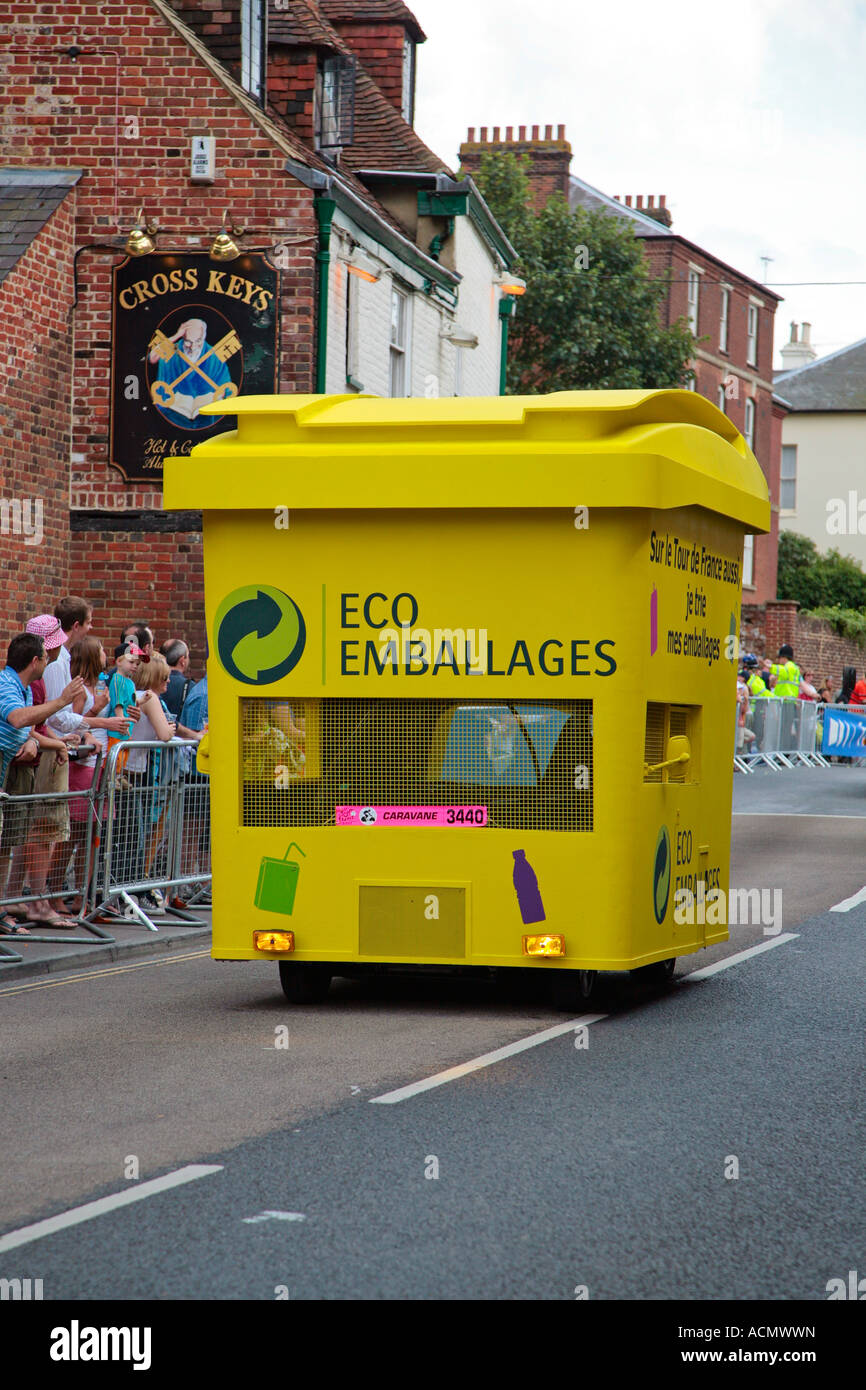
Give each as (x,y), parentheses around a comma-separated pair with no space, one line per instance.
(817,580)
(589,317)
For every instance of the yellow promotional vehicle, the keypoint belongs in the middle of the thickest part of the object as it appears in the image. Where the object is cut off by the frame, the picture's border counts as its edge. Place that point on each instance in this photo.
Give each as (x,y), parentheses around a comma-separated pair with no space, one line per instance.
(471,679)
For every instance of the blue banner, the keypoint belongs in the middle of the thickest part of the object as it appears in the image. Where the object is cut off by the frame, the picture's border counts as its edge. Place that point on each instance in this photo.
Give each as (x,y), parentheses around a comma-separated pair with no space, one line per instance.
(844,732)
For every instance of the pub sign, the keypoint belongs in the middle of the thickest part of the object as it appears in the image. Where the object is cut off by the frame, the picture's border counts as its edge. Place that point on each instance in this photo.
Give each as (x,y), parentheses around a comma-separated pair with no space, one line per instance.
(186,331)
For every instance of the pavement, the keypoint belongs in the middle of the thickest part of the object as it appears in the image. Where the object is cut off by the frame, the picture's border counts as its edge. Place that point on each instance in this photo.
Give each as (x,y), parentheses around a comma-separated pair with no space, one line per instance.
(47,952)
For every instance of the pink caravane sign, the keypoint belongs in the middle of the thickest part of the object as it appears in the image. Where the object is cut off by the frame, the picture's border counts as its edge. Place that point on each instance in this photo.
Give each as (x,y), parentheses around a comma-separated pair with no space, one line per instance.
(411,815)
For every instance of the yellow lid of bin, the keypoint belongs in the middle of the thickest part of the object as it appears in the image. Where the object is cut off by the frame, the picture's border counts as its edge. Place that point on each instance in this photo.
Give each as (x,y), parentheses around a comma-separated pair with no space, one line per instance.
(589,448)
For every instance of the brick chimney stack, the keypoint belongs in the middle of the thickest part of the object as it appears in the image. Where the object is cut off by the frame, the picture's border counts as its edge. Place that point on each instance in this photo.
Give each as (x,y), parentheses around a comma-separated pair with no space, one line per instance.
(798,353)
(549,156)
(658,211)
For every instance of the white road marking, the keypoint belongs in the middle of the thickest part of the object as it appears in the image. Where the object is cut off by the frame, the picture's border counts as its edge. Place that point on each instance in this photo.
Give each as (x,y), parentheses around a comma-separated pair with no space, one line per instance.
(274,1216)
(847,903)
(487,1060)
(25,1234)
(454,1073)
(111,970)
(726,964)
(800,815)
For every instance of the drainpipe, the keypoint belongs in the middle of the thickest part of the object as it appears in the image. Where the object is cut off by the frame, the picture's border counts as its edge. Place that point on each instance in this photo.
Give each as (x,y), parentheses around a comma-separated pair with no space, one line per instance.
(325,208)
(435,248)
(506,310)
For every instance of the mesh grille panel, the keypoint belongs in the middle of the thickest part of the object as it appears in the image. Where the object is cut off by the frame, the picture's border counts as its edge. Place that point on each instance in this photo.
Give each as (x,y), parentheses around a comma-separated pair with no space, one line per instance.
(679,720)
(664,722)
(654,741)
(529,763)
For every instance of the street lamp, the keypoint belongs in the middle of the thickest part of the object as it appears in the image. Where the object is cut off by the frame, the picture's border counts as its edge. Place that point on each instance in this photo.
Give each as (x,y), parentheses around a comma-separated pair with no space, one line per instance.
(511,287)
(458,335)
(364,266)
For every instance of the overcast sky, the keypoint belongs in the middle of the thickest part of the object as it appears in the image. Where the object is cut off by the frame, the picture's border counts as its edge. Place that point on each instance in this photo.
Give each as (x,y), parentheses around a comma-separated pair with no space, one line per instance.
(749,115)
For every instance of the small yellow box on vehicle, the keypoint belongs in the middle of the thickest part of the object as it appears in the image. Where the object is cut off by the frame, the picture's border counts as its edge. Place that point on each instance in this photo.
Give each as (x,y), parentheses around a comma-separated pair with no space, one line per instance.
(471,677)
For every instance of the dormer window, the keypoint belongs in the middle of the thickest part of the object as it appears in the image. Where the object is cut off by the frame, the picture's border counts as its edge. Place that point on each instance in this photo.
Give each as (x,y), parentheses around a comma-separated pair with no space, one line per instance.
(253,47)
(408,105)
(335,103)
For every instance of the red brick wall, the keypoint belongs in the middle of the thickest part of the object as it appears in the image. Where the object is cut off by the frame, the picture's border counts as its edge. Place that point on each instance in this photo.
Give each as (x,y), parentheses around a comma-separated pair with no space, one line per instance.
(670,252)
(125,112)
(35,370)
(817,648)
(136,573)
(218,24)
(730,369)
(549,156)
(379,48)
(291,88)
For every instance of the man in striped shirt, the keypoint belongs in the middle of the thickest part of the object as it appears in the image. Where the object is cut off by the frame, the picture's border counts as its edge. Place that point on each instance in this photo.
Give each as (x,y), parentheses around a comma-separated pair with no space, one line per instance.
(26,661)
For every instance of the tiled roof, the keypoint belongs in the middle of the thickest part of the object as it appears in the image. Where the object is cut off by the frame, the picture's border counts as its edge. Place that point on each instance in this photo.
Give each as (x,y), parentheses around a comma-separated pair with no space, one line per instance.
(583,195)
(835,382)
(383,139)
(276,128)
(301,26)
(372,12)
(28,197)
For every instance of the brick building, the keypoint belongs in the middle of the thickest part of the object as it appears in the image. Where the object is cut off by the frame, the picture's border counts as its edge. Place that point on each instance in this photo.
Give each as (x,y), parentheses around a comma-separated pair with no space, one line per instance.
(731,315)
(351,258)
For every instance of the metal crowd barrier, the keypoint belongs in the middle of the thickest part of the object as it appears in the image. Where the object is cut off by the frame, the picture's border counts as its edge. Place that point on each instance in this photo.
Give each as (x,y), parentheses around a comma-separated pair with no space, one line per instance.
(20,818)
(152,822)
(143,831)
(779,733)
(840,758)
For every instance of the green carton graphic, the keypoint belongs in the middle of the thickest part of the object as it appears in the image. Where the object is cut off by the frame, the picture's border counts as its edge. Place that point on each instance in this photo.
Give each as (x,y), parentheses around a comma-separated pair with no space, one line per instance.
(278,883)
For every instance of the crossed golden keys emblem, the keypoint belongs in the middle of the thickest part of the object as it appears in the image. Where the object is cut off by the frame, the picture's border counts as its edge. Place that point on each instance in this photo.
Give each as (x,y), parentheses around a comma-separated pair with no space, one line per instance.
(162,393)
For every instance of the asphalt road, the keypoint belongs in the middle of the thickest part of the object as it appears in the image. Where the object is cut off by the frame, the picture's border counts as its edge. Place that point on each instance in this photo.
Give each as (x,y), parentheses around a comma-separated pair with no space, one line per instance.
(608,1165)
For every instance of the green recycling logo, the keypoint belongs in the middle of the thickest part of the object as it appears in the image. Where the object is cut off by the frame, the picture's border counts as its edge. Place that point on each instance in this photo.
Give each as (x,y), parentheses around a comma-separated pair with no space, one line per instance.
(662,874)
(260,634)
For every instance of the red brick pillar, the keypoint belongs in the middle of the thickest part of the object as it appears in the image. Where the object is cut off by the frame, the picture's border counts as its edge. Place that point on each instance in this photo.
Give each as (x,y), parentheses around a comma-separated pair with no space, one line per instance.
(780,624)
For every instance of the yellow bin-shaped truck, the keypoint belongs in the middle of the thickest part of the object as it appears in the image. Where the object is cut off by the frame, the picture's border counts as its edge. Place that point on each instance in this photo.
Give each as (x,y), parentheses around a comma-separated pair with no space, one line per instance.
(471,679)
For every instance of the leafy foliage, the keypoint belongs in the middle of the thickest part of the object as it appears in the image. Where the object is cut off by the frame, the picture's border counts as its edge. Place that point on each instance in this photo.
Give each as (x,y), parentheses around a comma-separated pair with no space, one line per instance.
(816,580)
(589,317)
(847,622)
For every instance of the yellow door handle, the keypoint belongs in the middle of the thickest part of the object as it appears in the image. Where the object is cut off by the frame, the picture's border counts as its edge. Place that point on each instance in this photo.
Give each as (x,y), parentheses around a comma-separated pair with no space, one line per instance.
(202,754)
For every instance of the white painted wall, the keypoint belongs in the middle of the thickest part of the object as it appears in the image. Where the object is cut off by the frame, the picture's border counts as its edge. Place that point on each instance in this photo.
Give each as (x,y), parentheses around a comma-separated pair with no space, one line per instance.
(432,369)
(478,309)
(831,464)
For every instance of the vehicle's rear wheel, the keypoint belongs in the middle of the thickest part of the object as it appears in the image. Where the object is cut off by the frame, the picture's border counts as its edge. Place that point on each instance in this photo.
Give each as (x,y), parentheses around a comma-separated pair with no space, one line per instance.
(573,988)
(304,984)
(658,973)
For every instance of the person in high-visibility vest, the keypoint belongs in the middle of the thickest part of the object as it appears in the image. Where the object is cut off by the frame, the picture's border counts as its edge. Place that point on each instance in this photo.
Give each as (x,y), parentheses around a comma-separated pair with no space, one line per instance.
(755,683)
(786,672)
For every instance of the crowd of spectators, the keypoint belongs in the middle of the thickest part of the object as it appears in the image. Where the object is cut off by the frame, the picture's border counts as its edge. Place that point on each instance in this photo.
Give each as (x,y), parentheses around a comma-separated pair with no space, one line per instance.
(758,680)
(61,711)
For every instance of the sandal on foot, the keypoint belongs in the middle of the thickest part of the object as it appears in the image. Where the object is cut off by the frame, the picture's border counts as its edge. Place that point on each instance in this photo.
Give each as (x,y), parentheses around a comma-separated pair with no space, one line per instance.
(10,926)
(54,919)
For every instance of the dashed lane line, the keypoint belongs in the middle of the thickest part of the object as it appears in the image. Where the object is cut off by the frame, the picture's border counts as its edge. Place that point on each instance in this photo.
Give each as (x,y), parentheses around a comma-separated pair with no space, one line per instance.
(707,970)
(488,1059)
(847,903)
(26,1234)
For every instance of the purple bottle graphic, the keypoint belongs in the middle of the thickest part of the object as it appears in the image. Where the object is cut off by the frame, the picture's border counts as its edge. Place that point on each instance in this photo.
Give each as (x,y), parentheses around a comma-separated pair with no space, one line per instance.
(526,888)
(654,621)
